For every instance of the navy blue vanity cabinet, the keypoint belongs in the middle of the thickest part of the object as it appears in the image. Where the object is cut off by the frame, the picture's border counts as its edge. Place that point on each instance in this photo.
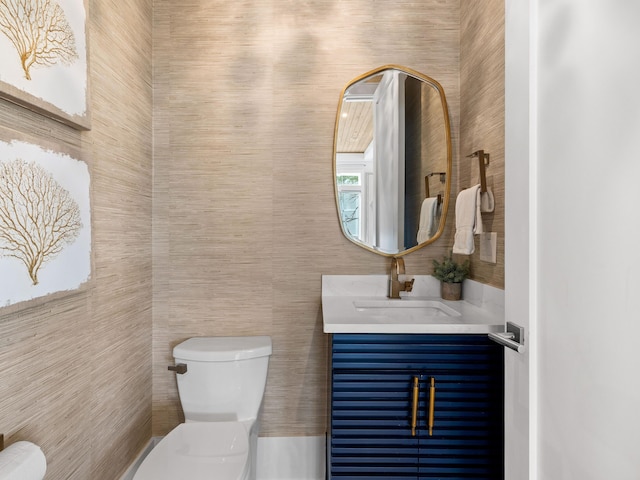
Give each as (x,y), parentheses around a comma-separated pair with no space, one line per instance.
(373,382)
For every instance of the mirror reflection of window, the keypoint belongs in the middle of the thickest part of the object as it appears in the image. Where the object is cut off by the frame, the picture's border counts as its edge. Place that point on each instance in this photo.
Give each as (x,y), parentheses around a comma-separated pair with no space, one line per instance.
(356,189)
(350,199)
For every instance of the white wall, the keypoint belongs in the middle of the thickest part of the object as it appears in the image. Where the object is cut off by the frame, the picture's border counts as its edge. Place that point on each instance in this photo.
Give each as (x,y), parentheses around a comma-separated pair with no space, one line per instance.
(587,231)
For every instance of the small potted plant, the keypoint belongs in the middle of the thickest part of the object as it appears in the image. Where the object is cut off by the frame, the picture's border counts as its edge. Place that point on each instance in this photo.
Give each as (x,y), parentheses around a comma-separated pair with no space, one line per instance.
(451,274)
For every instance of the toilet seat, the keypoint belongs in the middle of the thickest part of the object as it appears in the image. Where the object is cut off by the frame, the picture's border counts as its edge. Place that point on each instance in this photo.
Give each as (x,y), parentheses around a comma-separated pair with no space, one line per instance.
(199,451)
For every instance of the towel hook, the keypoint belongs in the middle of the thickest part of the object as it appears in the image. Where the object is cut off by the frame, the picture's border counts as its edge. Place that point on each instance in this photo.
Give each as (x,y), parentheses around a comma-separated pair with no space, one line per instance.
(443,175)
(426,183)
(483,162)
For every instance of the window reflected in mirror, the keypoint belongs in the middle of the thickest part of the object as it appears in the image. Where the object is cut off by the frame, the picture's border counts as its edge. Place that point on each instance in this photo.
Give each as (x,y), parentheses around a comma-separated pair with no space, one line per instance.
(350,193)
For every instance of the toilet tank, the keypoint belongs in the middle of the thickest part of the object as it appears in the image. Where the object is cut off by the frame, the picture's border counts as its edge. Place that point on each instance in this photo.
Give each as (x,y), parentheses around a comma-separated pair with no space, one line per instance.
(225,377)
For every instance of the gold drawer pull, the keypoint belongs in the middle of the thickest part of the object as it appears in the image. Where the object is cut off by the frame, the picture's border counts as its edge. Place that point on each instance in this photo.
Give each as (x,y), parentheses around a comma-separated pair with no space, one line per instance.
(414,407)
(432,401)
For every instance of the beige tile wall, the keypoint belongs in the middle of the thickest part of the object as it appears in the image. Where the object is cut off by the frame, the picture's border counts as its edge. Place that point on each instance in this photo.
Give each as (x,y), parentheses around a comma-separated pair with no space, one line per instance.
(482,118)
(75,373)
(244,216)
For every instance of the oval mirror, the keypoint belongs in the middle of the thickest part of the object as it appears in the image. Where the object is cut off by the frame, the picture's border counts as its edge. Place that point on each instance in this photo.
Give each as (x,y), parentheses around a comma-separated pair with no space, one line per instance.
(392,160)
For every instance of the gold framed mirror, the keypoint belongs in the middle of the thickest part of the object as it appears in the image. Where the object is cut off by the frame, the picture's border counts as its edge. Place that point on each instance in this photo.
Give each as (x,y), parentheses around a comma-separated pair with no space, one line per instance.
(392,160)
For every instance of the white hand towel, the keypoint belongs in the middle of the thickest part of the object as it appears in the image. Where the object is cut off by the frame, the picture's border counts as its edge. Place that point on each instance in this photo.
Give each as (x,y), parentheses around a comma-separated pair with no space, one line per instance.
(427,219)
(468,220)
(487,202)
(477,225)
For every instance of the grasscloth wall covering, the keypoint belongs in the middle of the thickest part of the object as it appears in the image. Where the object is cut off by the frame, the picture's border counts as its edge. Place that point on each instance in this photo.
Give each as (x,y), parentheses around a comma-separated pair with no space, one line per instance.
(482,118)
(235,213)
(75,373)
(245,95)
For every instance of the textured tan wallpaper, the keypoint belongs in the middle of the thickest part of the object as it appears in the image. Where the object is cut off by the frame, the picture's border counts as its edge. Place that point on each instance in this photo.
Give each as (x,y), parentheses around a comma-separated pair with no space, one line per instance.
(244,217)
(75,372)
(482,118)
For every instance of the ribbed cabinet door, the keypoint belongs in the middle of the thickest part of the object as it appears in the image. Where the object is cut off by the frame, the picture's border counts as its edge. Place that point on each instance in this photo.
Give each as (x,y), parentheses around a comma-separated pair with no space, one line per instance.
(371,400)
(371,403)
(468,431)
(370,425)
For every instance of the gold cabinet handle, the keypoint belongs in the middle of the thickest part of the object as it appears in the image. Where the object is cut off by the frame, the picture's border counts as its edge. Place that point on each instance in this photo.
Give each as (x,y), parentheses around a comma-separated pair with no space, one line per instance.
(432,402)
(414,407)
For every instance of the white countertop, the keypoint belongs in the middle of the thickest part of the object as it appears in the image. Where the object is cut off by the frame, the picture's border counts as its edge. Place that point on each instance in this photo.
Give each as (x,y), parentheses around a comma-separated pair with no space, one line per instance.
(359,304)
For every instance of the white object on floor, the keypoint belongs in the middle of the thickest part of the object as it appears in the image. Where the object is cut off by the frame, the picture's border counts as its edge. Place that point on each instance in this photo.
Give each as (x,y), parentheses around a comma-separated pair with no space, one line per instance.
(22,461)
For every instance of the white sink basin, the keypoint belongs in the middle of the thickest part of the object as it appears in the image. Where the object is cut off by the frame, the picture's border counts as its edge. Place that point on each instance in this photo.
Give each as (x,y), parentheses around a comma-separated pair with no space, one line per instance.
(428,308)
(359,304)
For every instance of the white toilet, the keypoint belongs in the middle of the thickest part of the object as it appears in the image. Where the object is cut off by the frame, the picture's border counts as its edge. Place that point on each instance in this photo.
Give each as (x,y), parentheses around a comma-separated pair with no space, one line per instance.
(221,382)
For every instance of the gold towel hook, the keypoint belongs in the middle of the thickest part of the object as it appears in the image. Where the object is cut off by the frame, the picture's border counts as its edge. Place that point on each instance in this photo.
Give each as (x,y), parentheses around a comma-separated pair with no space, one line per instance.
(483,163)
(442,175)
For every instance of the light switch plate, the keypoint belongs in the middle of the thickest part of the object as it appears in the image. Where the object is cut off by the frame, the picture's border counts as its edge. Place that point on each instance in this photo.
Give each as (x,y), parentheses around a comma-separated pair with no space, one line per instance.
(488,246)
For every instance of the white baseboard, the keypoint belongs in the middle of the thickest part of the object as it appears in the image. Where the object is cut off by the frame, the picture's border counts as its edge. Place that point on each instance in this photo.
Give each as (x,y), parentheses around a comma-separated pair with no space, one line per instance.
(128,475)
(279,458)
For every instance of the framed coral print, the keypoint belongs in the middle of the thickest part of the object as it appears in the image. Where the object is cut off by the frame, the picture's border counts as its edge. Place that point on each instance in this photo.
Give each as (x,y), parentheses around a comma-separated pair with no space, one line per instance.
(43,58)
(45,221)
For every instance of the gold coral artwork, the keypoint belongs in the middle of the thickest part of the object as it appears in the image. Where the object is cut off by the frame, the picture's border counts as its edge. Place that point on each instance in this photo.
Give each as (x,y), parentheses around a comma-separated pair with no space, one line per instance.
(38,218)
(43,57)
(39,31)
(45,239)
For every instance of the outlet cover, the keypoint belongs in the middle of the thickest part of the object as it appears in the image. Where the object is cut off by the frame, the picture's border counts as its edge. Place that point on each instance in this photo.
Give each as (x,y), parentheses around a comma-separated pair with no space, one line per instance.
(488,246)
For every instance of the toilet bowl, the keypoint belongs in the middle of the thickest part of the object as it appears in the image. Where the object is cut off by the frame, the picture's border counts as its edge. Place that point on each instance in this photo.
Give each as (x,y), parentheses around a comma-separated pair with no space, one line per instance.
(221,383)
(199,451)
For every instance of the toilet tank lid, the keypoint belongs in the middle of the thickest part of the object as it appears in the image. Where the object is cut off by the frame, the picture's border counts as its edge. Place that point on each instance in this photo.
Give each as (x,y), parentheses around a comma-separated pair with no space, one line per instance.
(223,349)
